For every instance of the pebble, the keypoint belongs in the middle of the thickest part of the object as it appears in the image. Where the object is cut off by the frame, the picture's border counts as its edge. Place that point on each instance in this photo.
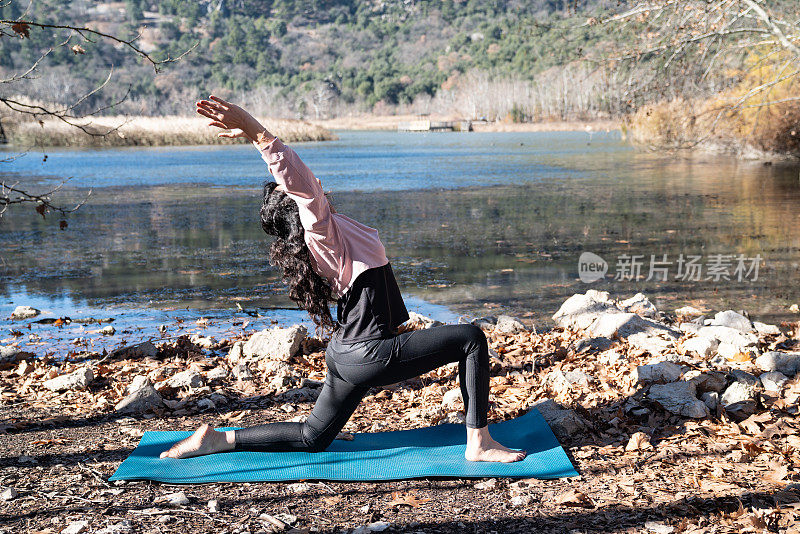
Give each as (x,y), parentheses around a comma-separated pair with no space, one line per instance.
(122,527)
(24,312)
(521,500)
(177,499)
(108,330)
(76,527)
(299,487)
(773,380)
(487,484)
(9,494)
(213,506)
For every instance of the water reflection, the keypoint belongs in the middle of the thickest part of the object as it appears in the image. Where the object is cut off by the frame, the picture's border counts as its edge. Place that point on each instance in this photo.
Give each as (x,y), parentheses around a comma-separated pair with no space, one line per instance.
(514,245)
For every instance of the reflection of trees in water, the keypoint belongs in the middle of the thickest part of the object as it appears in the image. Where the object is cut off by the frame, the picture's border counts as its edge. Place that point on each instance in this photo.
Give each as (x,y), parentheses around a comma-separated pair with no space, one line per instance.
(193,243)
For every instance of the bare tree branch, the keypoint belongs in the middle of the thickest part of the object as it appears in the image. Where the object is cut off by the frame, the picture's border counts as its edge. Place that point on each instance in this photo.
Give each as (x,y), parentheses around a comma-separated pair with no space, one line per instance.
(85,33)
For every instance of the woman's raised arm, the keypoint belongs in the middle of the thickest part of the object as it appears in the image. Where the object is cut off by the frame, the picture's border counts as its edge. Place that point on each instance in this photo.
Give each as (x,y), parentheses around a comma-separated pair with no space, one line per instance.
(292,175)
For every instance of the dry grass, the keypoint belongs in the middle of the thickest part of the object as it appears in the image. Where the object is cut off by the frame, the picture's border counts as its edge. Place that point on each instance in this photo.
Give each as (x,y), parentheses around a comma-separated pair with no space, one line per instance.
(742,120)
(147,131)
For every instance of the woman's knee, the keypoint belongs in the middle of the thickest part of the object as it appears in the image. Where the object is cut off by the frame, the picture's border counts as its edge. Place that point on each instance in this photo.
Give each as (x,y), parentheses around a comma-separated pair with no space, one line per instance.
(475,337)
(314,440)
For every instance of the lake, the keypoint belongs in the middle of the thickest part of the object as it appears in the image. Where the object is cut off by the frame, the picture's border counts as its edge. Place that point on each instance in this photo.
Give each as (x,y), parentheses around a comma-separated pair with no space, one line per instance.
(474,224)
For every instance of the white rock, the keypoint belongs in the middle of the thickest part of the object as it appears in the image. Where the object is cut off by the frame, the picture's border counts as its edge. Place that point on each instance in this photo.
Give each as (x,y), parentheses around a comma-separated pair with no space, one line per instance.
(76,527)
(217,373)
(177,499)
(235,354)
(509,325)
(143,399)
(689,328)
(578,378)
(564,422)
(580,310)
(78,379)
(713,381)
(451,398)
(766,329)
(618,324)
(141,350)
(242,371)
(274,343)
(24,312)
(204,342)
(732,336)
(9,494)
(737,392)
(213,506)
(659,372)
(137,383)
(729,351)
(787,363)
(183,380)
(640,305)
(123,527)
(740,399)
(419,319)
(8,353)
(688,311)
(732,319)
(773,380)
(679,398)
(283,381)
(108,330)
(654,344)
(300,487)
(659,528)
(702,346)
(521,500)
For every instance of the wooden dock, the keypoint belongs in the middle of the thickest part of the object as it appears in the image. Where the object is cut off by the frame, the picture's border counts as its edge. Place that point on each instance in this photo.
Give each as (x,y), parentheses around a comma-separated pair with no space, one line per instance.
(426,125)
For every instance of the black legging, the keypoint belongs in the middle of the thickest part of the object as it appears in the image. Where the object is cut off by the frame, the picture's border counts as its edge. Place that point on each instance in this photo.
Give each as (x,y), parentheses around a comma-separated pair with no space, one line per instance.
(354,368)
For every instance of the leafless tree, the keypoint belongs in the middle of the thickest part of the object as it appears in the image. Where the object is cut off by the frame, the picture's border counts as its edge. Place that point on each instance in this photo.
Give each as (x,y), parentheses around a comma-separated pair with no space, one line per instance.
(694,44)
(72,37)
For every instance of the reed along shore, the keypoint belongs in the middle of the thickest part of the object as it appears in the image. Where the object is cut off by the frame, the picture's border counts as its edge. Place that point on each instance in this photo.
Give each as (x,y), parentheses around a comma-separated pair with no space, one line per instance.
(115,131)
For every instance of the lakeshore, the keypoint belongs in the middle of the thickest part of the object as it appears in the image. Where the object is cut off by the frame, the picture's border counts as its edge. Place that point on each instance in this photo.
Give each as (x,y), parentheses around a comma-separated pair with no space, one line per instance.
(119,131)
(645,402)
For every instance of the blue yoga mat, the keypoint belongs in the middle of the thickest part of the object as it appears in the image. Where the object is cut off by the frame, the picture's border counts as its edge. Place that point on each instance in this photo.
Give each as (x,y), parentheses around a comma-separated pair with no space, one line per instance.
(423,452)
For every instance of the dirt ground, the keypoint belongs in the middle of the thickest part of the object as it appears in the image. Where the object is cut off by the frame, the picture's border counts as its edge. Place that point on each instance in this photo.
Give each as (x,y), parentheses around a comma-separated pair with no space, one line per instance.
(641,470)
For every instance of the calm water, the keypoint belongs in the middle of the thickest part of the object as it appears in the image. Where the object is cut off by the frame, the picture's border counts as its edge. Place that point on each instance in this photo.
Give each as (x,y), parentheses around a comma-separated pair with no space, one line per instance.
(473,223)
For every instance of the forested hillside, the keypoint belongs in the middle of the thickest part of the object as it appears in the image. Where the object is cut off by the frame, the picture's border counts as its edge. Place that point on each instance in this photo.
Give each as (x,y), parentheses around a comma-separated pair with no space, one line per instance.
(306,58)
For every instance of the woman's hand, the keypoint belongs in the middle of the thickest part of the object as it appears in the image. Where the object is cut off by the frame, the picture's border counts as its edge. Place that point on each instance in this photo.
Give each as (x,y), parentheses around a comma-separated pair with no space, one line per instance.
(230,117)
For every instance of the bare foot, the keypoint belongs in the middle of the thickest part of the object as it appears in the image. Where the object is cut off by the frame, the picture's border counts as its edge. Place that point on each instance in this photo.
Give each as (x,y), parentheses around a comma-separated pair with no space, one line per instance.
(205,440)
(482,448)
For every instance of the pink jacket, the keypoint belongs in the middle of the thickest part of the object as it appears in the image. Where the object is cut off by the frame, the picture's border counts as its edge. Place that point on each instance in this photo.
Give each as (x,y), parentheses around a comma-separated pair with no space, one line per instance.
(341,247)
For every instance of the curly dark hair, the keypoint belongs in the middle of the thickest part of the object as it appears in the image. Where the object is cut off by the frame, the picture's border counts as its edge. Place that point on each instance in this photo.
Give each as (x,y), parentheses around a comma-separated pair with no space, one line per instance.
(280,217)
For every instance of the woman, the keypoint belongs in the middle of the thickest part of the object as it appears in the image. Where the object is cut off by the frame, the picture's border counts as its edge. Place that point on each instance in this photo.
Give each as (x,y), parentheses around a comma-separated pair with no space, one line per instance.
(326,255)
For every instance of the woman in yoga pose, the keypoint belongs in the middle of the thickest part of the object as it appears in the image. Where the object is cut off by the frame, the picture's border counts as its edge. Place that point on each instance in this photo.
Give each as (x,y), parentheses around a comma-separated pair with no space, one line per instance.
(326,255)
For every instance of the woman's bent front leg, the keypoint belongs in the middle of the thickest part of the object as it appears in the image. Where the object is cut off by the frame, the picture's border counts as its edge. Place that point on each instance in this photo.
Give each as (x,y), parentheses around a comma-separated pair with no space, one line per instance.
(415,353)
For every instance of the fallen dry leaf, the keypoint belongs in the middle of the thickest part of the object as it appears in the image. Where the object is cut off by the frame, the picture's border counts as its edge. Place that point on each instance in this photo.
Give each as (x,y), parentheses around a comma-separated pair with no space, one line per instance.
(639,442)
(777,475)
(408,499)
(574,498)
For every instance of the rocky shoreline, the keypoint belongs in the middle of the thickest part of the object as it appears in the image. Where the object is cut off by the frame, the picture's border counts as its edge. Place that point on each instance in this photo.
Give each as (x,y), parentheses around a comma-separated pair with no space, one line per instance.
(621,384)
